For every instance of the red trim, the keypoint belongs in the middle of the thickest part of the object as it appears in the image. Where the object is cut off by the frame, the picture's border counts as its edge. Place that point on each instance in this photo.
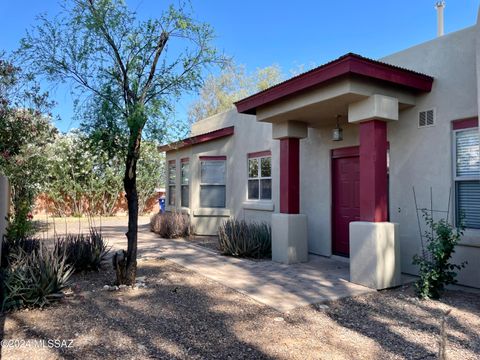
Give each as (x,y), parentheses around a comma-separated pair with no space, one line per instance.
(260,154)
(290,176)
(213,158)
(170,162)
(345,152)
(198,139)
(373,171)
(465,123)
(185,160)
(349,64)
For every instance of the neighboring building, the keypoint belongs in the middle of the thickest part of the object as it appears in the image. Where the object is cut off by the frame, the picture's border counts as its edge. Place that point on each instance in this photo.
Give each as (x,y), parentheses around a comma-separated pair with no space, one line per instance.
(273,158)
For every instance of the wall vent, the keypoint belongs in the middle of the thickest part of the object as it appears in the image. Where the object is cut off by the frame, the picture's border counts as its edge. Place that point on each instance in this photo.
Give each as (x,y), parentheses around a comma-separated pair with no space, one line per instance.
(426,118)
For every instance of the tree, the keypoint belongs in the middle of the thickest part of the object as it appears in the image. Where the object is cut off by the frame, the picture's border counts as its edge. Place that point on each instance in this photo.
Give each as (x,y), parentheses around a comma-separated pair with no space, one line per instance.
(233,83)
(25,128)
(97,44)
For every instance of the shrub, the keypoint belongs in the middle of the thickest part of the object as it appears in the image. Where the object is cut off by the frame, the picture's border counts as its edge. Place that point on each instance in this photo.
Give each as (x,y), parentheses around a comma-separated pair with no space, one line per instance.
(435,269)
(35,279)
(84,252)
(171,225)
(239,238)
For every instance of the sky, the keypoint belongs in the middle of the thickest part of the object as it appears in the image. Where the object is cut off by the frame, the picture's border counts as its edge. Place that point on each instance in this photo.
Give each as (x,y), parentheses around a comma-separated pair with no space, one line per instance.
(258,33)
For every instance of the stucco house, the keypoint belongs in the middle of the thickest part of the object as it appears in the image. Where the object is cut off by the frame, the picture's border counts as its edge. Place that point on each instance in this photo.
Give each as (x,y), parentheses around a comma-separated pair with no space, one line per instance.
(408,120)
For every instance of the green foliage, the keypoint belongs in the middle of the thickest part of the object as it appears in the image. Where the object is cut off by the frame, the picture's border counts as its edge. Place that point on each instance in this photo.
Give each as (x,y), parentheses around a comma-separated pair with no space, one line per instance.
(220,92)
(150,173)
(435,268)
(105,50)
(21,225)
(84,252)
(85,179)
(35,279)
(25,129)
(242,239)
(171,225)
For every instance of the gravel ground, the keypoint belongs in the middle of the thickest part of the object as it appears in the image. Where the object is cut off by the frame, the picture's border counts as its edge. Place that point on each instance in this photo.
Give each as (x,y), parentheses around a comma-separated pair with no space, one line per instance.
(183,315)
(209,242)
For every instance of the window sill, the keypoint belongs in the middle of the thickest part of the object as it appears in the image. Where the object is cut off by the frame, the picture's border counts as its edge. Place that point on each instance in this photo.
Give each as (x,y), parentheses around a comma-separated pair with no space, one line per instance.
(261,205)
(213,212)
(471,237)
(183,210)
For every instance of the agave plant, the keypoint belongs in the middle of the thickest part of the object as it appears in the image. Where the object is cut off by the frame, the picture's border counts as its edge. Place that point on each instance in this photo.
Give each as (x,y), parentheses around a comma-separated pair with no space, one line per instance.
(242,239)
(10,247)
(35,279)
(84,252)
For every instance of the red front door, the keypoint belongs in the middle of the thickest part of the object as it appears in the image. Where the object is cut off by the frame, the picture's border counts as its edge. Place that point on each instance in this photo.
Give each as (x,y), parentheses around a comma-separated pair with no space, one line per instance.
(345,197)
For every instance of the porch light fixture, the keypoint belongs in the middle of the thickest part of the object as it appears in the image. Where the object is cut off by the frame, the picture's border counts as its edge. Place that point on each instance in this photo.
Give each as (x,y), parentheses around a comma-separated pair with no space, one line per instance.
(337,133)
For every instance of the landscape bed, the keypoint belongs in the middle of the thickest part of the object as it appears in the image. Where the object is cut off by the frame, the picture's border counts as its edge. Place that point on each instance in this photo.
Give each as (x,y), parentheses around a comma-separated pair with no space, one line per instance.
(182,314)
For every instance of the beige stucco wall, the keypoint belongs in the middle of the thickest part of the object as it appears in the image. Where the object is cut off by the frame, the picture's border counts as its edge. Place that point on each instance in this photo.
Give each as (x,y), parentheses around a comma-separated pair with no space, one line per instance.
(423,157)
(249,136)
(418,157)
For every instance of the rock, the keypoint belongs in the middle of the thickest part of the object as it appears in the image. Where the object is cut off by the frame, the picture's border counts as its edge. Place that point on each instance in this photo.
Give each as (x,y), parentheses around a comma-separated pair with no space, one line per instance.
(278,319)
(323,306)
(141,278)
(122,286)
(106,287)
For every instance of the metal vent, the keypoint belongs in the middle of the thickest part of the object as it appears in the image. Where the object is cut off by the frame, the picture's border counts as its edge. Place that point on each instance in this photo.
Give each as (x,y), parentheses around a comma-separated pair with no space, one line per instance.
(426,118)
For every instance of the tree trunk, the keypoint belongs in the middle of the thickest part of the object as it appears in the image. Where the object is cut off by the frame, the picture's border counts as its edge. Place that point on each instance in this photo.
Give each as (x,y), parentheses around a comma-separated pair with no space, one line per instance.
(126,264)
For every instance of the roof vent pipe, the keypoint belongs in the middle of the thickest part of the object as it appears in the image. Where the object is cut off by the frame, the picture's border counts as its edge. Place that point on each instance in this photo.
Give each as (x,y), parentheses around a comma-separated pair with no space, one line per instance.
(440,5)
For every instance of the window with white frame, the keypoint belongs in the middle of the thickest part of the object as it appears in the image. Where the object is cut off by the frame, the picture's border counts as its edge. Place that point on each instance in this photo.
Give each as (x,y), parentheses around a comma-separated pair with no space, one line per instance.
(467,177)
(185,182)
(212,182)
(172,172)
(259,177)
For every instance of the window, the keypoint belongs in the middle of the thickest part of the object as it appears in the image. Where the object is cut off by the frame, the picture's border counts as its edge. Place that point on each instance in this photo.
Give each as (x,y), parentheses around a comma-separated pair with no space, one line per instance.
(184,182)
(212,182)
(260,176)
(172,169)
(467,177)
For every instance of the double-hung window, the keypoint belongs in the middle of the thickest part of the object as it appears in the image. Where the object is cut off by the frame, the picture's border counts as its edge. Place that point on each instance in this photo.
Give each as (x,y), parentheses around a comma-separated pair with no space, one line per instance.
(212,181)
(172,172)
(467,177)
(184,182)
(260,176)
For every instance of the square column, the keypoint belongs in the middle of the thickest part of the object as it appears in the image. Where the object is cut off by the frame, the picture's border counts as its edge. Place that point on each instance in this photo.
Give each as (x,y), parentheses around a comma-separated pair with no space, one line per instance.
(290,176)
(374,245)
(289,227)
(373,171)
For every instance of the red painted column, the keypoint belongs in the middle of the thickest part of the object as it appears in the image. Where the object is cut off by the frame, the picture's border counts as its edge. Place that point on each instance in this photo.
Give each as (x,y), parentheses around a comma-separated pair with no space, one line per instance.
(290,176)
(373,171)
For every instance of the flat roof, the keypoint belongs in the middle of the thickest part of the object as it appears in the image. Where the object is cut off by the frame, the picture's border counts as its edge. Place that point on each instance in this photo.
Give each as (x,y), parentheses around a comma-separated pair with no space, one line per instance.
(198,139)
(349,64)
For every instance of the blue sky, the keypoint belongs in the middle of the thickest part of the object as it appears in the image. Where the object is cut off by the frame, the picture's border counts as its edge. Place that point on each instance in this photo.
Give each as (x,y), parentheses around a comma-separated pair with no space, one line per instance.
(258,33)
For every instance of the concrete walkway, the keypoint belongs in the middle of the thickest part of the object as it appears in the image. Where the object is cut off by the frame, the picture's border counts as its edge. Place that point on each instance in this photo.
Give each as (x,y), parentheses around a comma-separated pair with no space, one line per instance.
(279,286)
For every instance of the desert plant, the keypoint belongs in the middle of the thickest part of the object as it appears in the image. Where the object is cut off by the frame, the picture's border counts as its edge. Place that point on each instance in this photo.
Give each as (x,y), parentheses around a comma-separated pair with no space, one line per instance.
(171,225)
(242,239)
(12,246)
(436,271)
(85,252)
(36,279)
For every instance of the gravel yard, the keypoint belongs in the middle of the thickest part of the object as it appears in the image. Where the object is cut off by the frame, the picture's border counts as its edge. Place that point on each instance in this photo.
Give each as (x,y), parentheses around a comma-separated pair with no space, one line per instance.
(183,315)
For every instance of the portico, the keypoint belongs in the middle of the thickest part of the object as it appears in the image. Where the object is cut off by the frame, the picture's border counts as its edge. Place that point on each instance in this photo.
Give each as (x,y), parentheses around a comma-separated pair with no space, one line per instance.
(369,94)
